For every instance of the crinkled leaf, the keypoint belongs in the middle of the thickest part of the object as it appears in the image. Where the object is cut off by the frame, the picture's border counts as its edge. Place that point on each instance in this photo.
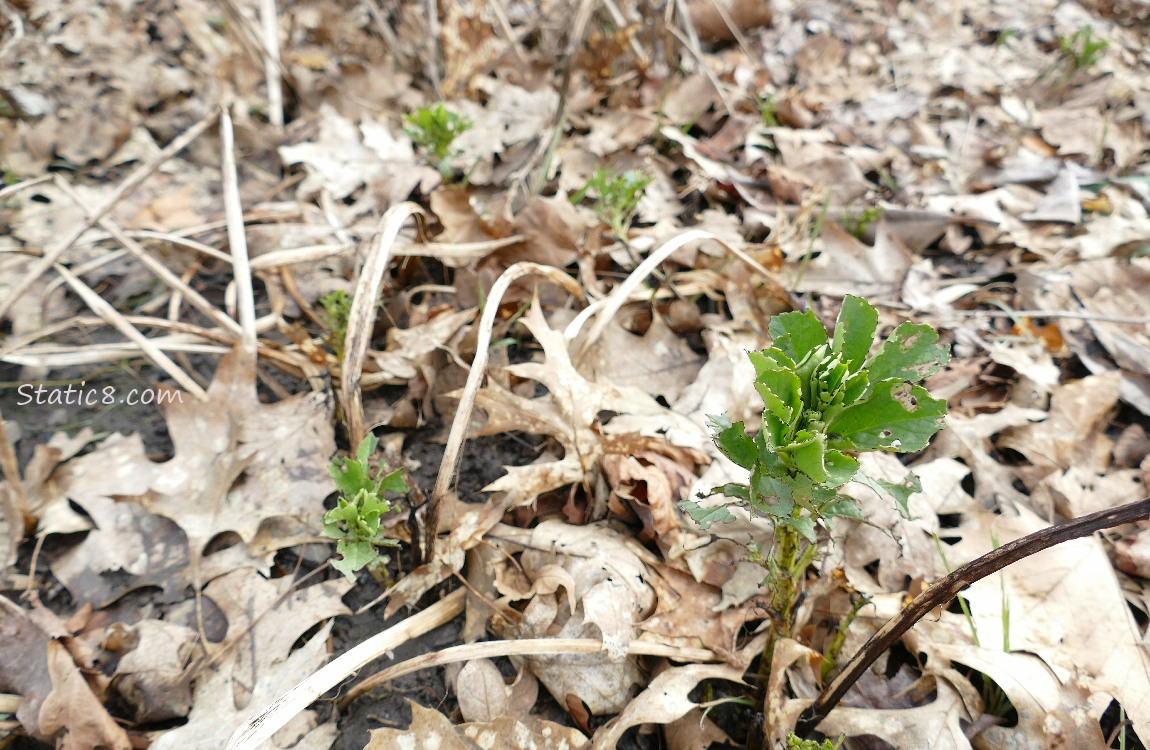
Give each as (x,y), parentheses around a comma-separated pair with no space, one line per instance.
(393,482)
(781,509)
(734,441)
(768,486)
(845,508)
(740,491)
(911,353)
(897,417)
(353,556)
(349,476)
(802,333)
(706,516)
(899,491)
(805,525)
(854,331)
(808,455)
(841,468)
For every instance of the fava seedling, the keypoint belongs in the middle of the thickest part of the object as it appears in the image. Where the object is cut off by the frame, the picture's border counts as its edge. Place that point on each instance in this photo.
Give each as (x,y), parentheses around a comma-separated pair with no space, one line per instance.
(356,520)
(826,399)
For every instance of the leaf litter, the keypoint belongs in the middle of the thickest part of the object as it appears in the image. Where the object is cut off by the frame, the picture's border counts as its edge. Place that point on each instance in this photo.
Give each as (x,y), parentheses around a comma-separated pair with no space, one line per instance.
(166,594)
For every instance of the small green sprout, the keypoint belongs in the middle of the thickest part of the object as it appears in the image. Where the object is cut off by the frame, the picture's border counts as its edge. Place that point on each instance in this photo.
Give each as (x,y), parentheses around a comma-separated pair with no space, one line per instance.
(858,224)
(355,521)
(768,111)
(336,308)
(1081,49)
(1005,35)
(434,129)
(618,197)
(795,743)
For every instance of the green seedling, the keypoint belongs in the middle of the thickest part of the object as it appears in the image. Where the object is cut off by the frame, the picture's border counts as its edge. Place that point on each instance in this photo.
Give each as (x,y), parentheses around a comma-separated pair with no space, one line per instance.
(618,197)
(858,224)
(356,520)
(335,310)
(433,130)
(1081,49)
(796,743)
(768,111)
(826,399)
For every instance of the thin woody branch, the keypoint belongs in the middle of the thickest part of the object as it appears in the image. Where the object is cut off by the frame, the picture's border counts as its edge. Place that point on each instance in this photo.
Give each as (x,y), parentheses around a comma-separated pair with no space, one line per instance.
(946,589)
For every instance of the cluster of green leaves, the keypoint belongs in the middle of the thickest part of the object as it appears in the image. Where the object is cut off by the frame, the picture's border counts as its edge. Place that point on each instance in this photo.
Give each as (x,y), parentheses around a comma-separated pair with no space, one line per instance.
(433,129)
(356,520)
(1081,49)
(335,309)
(795,743)
(618,197)
(825,399)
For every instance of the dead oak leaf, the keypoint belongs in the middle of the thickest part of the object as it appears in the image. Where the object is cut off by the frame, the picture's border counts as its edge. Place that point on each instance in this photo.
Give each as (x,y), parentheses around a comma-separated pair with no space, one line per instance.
(57,700)
(686,615)
(569,413)
(665,700)
(238,461)
(265,619)
(431,730)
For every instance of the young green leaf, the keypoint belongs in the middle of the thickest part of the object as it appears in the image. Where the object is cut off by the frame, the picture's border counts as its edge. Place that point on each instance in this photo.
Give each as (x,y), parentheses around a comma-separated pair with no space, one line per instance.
(808,452)
(854,331)
(707,516)
(353,556)
(802,331)
(733,441)
(897,417)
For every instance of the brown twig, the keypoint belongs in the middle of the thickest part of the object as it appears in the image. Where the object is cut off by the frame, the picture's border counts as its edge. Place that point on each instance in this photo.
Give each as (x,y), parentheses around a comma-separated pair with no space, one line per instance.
(942,592)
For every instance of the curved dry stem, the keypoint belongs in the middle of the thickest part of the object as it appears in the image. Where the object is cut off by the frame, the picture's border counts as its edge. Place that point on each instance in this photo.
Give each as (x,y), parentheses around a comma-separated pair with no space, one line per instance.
(237,239)
(455,438)
(361,319)
(255,730)
(524,647)
(621,293)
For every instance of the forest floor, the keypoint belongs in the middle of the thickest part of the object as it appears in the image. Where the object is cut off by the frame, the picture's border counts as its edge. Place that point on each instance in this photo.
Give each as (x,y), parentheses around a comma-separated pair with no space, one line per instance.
(197,194)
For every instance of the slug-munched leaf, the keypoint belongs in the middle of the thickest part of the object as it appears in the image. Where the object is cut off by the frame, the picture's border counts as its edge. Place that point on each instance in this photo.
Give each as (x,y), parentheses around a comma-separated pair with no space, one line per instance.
(911,353)
(734,441)
(897,417)
(899,491)
(707,516)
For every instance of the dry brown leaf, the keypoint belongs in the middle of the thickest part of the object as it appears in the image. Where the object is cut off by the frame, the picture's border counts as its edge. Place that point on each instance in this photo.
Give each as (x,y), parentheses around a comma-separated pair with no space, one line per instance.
(481,691)
(937,724)
(238,462)
(612,596)
(690,614)
(1048,595)
(265,619)
(569,413)
(1051,713)
(659,363)
(1072,435)
(693,731)
(664,701)
(73,711)
(431,730)
(155,676)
